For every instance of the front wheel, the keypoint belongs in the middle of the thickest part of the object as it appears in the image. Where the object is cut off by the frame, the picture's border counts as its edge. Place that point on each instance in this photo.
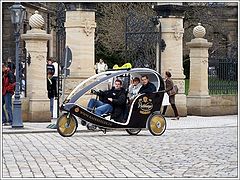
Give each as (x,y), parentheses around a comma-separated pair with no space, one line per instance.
(67,125)
(156,124)
(133,131)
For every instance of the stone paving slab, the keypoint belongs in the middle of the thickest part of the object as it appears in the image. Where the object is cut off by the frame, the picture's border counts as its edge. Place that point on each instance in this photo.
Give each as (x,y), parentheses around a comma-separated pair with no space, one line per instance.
(178,153)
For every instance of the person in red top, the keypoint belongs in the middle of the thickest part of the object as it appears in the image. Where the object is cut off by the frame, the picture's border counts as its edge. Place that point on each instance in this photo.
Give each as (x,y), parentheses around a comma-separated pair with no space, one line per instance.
(8,87)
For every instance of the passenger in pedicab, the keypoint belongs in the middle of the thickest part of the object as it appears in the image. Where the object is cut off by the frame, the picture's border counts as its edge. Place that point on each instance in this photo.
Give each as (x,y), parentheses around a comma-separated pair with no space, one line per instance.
(134,88)
(110,101)
(147,86)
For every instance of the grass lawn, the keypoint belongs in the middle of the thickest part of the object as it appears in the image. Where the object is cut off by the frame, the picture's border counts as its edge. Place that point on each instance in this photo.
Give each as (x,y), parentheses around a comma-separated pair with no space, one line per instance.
(217,86)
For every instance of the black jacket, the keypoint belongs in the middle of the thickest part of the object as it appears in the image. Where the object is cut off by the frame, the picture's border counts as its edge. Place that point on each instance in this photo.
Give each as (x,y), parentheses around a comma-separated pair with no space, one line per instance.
(148,88)
(51,87)
(119,102)
(50,68)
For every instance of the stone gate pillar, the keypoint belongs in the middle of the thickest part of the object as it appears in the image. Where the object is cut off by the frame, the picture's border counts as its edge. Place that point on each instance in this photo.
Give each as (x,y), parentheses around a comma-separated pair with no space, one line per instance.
(36,45)
(171,18)
(198,99)
(80,29)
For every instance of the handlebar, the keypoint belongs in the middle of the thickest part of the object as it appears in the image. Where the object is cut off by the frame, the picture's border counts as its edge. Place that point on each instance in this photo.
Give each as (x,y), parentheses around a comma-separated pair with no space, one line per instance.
(93,91)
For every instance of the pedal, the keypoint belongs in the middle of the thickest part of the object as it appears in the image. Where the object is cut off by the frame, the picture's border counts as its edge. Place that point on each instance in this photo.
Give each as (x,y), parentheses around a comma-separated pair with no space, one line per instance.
(91,127)
(83,123)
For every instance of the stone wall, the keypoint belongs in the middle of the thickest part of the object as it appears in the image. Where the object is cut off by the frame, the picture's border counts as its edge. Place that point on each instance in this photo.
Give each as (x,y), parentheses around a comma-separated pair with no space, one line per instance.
(220,105)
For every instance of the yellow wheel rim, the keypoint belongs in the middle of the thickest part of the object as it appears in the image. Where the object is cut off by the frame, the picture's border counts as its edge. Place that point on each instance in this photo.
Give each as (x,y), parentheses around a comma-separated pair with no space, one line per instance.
(157,124)
(64,127)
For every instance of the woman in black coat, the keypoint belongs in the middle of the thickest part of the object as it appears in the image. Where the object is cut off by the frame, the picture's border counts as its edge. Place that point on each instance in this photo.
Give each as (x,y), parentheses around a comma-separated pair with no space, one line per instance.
(169,86)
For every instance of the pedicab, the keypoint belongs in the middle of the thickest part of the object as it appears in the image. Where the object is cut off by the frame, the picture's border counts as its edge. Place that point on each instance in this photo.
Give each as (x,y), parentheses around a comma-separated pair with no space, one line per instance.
(142,113)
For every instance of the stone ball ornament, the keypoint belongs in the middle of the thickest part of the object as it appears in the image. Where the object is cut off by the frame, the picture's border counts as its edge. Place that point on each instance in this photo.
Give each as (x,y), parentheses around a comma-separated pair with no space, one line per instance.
(199,31)
(36,21)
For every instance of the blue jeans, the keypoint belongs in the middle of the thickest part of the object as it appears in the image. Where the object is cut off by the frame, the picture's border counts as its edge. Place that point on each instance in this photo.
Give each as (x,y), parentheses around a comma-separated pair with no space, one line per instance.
(101,108)
(7,100)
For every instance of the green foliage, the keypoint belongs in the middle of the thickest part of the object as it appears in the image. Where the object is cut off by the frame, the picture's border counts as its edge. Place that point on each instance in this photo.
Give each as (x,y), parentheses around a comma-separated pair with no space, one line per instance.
(109,57)
(186,86)
(186,66)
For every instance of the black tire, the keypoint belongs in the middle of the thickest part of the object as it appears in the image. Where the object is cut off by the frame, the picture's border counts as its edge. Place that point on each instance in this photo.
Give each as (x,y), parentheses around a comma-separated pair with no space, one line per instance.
(133,131)
(156,124)
(67,125)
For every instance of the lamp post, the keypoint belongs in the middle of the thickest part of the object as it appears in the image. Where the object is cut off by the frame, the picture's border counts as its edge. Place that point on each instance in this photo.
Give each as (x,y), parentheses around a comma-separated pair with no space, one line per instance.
(17,13)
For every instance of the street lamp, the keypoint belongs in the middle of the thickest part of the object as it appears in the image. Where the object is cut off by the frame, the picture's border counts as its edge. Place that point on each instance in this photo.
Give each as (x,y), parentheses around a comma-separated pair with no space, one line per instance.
(17,12)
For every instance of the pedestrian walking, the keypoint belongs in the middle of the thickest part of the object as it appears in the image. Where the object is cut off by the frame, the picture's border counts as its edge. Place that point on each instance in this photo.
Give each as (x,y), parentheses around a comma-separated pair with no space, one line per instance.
(8,88)
(169,86)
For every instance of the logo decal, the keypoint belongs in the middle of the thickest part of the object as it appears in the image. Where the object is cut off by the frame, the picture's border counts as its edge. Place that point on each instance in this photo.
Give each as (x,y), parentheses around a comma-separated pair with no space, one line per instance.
(145,105)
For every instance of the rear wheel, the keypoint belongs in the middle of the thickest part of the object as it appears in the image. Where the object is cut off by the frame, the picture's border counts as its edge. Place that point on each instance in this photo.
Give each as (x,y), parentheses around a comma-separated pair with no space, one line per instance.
(133,131)
(156,124)
(67,125)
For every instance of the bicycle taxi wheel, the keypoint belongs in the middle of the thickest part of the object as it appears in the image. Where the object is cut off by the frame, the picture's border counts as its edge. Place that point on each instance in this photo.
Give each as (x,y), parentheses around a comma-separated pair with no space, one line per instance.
(156,124)
(67,125)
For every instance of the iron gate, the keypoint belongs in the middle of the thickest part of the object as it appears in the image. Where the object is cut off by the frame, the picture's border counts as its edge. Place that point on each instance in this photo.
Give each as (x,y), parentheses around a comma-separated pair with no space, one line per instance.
(60,44)
(142,41)
(223,71)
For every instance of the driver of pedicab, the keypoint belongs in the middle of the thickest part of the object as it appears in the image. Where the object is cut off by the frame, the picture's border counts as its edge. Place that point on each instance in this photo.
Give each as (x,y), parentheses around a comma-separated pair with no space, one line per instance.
(110,101)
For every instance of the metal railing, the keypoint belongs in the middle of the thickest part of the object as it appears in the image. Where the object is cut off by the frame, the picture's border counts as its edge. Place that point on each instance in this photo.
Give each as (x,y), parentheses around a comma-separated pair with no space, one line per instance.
(223,77)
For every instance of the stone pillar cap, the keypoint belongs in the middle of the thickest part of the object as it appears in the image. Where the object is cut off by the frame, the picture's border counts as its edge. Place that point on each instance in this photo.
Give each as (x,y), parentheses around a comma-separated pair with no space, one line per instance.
(36,21)
(199,31)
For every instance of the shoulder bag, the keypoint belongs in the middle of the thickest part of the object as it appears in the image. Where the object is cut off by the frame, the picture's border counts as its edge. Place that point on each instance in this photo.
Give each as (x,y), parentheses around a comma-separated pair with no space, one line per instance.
(173,91)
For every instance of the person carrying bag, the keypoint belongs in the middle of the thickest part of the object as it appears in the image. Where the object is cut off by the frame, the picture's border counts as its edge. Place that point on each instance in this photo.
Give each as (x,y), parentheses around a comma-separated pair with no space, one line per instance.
(171,90)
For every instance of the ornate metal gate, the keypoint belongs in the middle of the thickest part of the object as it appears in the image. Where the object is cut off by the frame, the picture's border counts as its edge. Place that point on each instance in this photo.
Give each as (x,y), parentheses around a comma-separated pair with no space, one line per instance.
(60,43)
(142,41)
(223,70)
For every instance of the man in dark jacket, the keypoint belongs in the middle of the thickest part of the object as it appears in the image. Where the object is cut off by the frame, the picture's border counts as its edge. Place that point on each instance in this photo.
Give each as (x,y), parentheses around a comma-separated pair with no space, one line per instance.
(52,90)
(8,87)
(113,101)
(50,66)
(11,65)
(147,86)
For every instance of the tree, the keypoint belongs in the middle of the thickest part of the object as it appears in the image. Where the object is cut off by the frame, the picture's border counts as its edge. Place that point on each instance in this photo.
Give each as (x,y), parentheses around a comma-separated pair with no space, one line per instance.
(110,31)
(220,31)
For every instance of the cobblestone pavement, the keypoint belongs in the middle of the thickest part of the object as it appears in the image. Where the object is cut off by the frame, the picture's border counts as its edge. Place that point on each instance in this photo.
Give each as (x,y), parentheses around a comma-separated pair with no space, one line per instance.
(180,152)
